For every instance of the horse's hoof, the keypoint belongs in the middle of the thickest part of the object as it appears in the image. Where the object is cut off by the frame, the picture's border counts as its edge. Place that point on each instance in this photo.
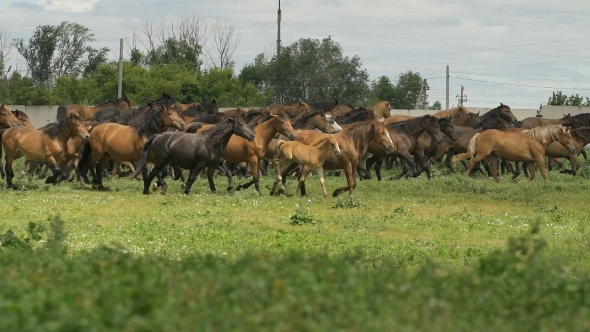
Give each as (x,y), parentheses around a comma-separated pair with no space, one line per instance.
(238,188)
(146,192)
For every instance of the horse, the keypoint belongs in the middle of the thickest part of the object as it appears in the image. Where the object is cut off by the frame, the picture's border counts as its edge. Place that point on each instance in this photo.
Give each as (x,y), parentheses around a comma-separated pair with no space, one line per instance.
(292,111)
(48,144)
(353,142)
(194,113)
(452,114)
(124,143)
(467,119)
(527,146)
(192,151)
(533,122)
(7,118)
(343,109)
(404,136)
(309,157)
(184,107)
(314,120)
(381,109)
(236,112)
(427,147)
(87,112)
(360,114)
(23,118)
(138,115)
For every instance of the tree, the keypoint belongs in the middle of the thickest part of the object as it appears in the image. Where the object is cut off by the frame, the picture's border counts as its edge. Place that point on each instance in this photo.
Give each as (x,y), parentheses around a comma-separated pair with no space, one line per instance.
(312,70)
(225,44)
(559,99)
(5,47)
(38,53)
(383,89)
(407,90)
(437,106)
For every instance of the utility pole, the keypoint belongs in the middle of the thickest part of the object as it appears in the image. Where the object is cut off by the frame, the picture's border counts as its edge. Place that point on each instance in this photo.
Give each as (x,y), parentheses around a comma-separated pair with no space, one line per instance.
(50,80)
(462,98)
(120,89)
(421,103)
(279,29)
(447,106)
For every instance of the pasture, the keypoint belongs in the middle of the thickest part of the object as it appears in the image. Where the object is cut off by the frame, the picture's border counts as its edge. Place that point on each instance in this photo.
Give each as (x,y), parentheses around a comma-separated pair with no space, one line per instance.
(452,253)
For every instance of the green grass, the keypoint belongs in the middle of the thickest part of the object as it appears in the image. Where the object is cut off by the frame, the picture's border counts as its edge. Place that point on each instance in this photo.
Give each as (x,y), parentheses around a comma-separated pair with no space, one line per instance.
(450,226)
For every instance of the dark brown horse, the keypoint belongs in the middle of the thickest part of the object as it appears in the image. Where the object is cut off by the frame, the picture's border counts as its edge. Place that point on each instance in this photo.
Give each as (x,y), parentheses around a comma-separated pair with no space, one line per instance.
(193,152)
(426,146)
(125,143)
(527,146)
(360,114)
(196,112)
(353,142)
(49,145)
(87,112)
(314,120)
(23,118)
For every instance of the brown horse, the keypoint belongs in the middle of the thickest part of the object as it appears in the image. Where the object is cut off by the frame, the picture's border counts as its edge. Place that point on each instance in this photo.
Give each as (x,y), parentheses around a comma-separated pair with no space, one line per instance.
(532,122)
(125,143)
(353,142)
(452,114)
(314,120)
(382,109)
(292,111)
(342,110)
(7,118)
(239,112)
(527,146)
(184,107)
(23,118)
(87,112)
(49,145)
(309,157)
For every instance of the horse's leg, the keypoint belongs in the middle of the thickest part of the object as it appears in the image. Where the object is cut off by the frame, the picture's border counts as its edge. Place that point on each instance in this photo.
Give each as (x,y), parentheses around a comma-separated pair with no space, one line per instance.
(55,169)
(478,157)
(194,173)
(148,178)
(583,153)
(230,179)
(210,173)
(407,162)
(301,184)
(494,162)
(448,162)
(278,178)
(423,161)
(264,167)
(322,181)
(99,167)
(575,165)
(364,174)
(541,163)
(532,167)
(9,172)
(255,167)
(516,172)
(369,164)
(378,164)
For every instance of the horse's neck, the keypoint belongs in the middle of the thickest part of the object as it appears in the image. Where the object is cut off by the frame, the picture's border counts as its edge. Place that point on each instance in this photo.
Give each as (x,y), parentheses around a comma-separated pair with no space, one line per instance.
(324,147)
(417,134)
(266,131)
(220,146)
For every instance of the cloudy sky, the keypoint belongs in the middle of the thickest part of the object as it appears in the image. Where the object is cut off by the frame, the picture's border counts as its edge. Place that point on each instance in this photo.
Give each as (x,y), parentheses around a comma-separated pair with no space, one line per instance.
(515,52)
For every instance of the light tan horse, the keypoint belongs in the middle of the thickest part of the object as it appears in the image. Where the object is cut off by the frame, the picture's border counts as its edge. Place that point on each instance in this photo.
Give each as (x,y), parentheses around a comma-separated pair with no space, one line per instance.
(125,143)
(526,146)
(49,144)
(451,113)
(309,157)
(7,118)
(87,112)
(382,110)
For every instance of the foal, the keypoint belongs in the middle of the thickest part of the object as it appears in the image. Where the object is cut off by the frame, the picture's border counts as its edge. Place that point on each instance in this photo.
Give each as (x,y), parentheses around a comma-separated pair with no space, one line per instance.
(310,157)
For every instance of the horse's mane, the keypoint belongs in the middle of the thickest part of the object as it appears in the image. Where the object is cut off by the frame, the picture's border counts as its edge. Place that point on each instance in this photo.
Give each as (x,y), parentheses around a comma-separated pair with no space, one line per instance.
(52,130)
(216,133)
(323,106)
(495,112)
(295,106)
(165,99)
(359,133)
(579,120)
(490,121)
(444,122)
(544,134)
(152,123)
(301,120)
(18,113)
(412,126)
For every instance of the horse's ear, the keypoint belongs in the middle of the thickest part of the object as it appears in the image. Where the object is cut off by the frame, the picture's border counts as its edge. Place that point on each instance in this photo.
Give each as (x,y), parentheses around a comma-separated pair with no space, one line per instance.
(502,105)
(478,113)
(300,103)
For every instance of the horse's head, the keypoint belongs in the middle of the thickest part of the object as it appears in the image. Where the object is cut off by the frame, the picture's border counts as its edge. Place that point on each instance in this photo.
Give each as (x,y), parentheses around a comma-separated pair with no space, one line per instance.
(23,118)
(505,110)
(284,126)
(171,118)
(7,118)
(564,136)
(447,128)
(333,122)
(123,103)
(242,129)
(302,107)
(77,127)
(322,123)
(565,116)
(334,144)
(382,136)
(433,128)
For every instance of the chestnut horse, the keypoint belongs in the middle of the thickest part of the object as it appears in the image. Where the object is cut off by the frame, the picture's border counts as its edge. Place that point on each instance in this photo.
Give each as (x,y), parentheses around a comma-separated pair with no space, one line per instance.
(353,142)
(309,157)
(192,151)
(532,122)
(314,120)
(527,146)
(125,143)
(292,111)
(87,112)
(49,144)
(382,110)
(7,118)
(451,113)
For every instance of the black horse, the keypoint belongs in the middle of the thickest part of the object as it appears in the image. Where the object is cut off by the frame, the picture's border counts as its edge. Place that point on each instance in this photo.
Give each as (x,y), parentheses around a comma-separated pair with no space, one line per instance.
(193,152)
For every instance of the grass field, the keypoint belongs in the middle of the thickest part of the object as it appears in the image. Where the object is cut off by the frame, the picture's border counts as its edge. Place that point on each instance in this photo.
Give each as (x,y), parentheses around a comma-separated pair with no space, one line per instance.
(451,222)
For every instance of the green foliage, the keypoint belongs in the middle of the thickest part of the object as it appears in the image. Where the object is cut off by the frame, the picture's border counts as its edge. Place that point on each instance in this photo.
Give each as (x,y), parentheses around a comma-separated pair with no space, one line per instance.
(302,216)
(347,202)
(559,99)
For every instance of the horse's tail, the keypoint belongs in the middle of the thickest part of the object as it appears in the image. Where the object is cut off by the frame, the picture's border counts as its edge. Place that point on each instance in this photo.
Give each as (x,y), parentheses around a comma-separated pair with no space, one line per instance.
(471,150)
(85,158)
(2,172)
(194,127)
(62,112)
(143,159)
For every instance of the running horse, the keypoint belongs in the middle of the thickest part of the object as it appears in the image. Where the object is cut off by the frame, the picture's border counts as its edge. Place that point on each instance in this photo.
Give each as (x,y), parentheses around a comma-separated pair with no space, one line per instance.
(381,109)
(49,144)
(125,143)
(353,142)
(451,113)
(527,146)
(87,112)
(7,118)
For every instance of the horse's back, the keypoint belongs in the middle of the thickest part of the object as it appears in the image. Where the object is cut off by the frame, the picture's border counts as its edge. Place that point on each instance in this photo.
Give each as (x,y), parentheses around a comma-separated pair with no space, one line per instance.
(30,142)
(397,118)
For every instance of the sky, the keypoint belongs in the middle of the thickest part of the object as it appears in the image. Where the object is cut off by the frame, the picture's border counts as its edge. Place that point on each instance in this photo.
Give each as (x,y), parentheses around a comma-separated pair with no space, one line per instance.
(511,52)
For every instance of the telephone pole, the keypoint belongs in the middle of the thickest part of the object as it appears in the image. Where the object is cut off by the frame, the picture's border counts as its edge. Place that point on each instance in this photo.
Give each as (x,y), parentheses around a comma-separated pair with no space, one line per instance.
(120,89)
(422,102)
(447,106)
(50,80)
(279,29)
(462,97)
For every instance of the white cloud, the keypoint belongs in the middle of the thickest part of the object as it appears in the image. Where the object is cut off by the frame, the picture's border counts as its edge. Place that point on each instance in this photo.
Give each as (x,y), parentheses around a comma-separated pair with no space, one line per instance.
(68,5)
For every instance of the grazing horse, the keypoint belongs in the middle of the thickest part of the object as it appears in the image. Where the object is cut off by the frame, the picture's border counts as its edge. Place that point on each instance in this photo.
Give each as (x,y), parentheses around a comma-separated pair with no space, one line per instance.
(23,118)
(124,143)
(309,157)
(87,112)
(527,146)
(192,151)
(7,118)
(404,135)
(48,144)
(353,142)
(382,110)
(360,114)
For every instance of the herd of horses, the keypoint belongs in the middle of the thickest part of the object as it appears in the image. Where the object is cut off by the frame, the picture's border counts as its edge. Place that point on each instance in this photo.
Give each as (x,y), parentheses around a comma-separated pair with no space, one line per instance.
(164,138)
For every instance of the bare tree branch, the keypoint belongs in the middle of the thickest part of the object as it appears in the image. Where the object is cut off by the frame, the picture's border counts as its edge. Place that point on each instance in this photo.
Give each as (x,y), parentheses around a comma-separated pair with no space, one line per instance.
(225,42)
(5,48)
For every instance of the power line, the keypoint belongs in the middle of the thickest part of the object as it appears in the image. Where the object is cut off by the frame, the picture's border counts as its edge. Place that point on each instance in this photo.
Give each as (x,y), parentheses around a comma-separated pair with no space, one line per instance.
(522,85)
